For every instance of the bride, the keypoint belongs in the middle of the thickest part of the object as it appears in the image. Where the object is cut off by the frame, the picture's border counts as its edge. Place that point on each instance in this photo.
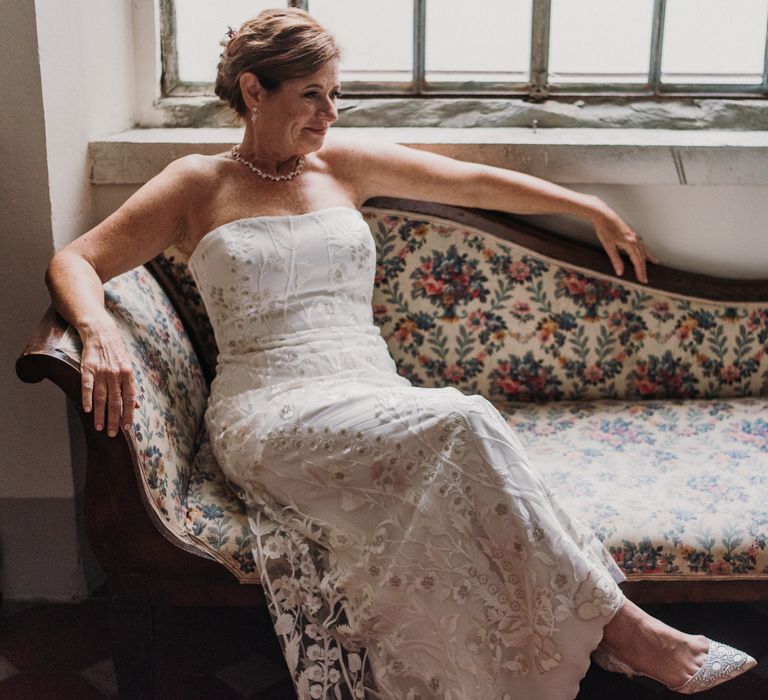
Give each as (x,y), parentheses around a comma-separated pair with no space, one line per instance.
(521,596)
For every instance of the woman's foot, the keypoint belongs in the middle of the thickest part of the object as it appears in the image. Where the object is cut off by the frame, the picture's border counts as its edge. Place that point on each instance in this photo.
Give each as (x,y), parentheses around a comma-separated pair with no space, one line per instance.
(652,648)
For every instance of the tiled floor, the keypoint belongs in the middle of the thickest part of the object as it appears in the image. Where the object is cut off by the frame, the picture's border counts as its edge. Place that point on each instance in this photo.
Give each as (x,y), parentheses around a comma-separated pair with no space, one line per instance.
(62,651)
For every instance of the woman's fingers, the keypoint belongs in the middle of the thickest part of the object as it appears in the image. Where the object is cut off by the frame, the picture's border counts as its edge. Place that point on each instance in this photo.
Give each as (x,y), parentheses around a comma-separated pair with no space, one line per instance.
(650,256)
(129,399)
(618,238)
(114,404)
(615,258)
(99,402)
(636,254)
(107,384)
(86,384)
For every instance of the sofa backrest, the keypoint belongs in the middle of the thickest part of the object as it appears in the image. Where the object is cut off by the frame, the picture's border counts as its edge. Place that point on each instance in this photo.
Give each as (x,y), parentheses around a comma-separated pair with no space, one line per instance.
(462,306)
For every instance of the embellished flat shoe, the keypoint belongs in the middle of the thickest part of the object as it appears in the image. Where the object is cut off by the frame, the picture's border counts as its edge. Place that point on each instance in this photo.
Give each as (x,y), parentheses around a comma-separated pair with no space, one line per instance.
(722,664)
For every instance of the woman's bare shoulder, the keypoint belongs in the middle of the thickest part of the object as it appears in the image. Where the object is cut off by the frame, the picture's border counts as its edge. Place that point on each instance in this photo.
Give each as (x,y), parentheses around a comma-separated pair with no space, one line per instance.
(356,155)
(196,168)
(339,145)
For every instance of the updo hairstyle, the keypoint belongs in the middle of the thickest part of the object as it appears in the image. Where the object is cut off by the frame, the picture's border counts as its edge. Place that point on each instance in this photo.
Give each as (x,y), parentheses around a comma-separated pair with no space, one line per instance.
(276,45)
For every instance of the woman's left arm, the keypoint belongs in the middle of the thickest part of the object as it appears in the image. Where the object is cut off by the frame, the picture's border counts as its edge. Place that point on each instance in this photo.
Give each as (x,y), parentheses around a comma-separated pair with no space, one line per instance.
(391,170)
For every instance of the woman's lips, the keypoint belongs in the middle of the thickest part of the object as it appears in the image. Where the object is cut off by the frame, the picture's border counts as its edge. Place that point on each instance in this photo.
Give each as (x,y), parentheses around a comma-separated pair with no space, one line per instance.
(320,131)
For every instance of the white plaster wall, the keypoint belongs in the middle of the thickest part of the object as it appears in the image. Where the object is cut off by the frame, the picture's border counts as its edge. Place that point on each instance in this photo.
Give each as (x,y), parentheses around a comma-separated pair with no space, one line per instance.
(68,69)
(718,230)
(32,419)
(86,60)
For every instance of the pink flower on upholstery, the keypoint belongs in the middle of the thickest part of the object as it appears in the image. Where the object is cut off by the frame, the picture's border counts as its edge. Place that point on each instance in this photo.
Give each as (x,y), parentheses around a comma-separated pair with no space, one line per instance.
(646,387)
(547,330)
(475,320)
(379,310)
(509,386)
(729,374)
(520,308)
(721,567)
(519,270)
(453,373)
(687,326)
(592,373)
(661,310)
(432,286)
(575,284)
(404,330)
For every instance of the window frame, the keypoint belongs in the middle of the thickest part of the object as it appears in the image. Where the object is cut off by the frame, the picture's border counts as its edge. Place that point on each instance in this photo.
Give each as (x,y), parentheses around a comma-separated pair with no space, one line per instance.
(537,89)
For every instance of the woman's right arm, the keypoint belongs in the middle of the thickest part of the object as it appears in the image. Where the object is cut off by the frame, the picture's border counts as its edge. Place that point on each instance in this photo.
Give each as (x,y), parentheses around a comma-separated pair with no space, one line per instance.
(150,220)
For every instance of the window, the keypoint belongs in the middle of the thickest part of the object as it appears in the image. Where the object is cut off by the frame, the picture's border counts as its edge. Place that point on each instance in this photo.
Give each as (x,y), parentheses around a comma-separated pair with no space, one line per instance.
(531,49)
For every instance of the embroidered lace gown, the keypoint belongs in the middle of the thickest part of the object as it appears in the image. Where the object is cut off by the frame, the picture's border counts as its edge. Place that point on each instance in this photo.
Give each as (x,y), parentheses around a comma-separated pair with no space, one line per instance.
(425,555)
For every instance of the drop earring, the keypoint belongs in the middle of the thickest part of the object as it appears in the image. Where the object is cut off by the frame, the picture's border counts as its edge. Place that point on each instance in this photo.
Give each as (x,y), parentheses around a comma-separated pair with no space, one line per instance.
(254,114)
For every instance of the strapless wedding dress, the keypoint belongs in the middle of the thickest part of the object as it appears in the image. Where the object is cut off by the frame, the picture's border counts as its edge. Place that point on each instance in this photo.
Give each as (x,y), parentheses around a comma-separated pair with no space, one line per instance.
(448,569)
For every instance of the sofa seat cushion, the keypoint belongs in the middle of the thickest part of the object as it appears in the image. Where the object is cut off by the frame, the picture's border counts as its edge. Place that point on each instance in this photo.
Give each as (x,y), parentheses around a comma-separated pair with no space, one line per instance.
(673,488)
(217,520)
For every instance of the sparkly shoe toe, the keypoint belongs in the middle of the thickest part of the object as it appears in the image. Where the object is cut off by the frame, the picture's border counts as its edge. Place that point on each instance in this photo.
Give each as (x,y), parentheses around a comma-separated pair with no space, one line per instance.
(723,663)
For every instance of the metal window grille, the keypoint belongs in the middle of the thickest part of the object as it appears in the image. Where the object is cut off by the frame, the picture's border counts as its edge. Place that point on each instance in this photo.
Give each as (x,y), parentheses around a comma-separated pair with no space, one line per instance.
(537,89)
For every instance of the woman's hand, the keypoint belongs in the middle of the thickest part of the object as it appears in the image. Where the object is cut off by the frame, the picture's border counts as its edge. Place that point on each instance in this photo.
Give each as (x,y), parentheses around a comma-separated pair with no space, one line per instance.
(616,236)
(107,380)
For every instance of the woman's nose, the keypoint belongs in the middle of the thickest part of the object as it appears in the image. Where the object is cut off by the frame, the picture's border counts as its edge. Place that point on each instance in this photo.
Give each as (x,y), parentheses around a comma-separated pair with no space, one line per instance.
(329,108)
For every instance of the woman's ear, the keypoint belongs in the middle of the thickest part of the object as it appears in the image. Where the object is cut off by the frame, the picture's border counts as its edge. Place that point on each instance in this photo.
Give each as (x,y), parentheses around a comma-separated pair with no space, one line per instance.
(251,88)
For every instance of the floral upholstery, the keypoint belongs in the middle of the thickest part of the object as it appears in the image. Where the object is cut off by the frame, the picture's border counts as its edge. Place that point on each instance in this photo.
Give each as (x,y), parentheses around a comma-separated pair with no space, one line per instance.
(670,487)
(458,306)
(171,268)
(216,518)
(172,391)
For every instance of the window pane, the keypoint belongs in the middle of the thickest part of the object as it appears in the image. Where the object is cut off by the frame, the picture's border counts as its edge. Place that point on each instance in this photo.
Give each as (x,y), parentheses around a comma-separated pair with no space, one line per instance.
(600,41)
(712,41)
(376,37)
(200,27)
(482,41)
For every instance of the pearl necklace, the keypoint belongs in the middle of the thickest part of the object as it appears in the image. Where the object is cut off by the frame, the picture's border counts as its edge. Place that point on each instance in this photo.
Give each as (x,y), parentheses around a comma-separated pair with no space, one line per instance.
(267,176)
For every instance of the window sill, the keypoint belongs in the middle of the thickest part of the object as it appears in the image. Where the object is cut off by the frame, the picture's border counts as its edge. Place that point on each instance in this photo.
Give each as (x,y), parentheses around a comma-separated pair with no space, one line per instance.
(564,155)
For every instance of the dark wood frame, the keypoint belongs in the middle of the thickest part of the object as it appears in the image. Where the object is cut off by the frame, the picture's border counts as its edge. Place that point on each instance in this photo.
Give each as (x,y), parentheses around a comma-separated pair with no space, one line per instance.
(147,569)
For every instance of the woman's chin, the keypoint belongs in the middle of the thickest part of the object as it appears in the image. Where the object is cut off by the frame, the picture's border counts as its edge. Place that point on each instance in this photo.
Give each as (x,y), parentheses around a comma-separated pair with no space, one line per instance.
(312,143)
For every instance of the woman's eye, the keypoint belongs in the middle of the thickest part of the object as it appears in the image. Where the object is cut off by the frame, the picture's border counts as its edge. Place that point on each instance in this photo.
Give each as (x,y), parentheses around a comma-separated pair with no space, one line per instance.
(310,94)
(336,95)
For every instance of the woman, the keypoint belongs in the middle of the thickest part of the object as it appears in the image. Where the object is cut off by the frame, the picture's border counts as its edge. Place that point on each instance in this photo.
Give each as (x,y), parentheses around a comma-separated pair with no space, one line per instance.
(456,569)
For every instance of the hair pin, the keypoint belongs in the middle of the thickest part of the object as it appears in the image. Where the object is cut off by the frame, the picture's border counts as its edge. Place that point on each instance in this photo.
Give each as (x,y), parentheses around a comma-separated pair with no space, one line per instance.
(230,34)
